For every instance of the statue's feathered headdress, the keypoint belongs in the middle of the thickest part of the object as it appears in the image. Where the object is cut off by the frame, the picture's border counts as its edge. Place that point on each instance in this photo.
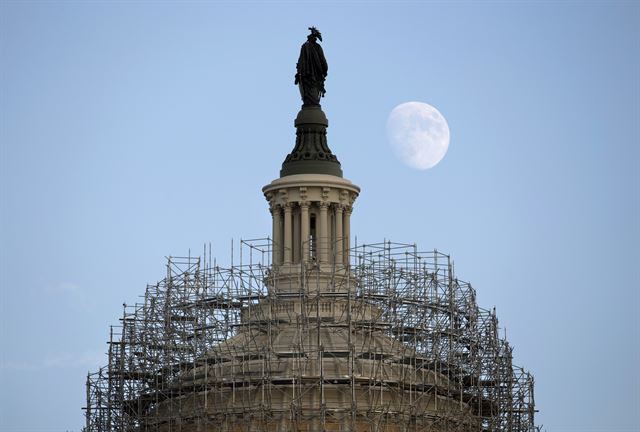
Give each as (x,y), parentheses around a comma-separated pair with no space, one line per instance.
(315,32)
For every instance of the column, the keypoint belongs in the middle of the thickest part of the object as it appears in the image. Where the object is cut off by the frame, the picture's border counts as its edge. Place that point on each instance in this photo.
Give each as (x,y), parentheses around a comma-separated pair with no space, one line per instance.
(339,235)
(347,233)
(288,231)
(304,230)
(296,235)
(323,233)
(277,240)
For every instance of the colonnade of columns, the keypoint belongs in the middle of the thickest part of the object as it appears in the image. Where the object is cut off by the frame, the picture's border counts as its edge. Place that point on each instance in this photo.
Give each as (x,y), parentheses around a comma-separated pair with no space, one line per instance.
(307,231)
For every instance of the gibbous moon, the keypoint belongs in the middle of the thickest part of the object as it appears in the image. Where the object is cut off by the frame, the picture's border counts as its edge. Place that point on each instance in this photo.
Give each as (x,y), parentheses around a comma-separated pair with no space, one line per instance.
(418,134)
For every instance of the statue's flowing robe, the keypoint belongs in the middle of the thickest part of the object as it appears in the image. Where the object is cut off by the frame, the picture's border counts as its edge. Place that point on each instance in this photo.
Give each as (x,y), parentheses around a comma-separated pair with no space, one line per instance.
(312,70)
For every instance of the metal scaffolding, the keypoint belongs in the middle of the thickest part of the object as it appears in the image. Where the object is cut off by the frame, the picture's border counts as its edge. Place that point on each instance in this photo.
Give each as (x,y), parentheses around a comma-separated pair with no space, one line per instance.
(397,344)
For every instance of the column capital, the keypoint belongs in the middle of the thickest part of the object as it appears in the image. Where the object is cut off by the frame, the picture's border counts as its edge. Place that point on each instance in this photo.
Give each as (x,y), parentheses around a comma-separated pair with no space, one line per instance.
(323,205)
(273,207)
(304,204)
(352,198)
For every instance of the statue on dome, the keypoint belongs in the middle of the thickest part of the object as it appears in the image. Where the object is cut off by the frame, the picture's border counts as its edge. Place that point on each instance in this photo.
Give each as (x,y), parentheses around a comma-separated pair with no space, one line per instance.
(311,70)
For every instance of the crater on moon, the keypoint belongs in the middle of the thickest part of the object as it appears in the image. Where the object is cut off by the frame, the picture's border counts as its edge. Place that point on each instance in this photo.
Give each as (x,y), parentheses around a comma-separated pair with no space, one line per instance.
(418,134)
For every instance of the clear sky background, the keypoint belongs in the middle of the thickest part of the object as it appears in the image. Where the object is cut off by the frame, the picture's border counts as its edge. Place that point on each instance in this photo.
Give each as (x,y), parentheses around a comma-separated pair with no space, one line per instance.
(132,131)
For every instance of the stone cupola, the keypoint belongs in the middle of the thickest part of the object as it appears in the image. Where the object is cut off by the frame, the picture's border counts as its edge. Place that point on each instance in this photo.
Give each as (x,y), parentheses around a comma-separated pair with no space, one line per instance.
(311,203)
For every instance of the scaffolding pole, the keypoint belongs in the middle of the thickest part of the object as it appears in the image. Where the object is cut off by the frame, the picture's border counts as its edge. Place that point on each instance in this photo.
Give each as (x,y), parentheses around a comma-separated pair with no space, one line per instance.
(392,342)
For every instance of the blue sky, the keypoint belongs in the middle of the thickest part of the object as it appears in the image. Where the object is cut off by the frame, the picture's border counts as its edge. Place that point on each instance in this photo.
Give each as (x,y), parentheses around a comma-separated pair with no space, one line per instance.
(132,131)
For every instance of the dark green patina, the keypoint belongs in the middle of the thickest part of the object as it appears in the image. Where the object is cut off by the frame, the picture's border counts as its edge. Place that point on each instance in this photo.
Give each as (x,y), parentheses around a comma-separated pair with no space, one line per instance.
(311,154)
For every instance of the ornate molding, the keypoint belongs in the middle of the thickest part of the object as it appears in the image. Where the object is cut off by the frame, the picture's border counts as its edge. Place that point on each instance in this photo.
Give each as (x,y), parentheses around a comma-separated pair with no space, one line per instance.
(284,195)
(352,198)
(274,207)
(325,193)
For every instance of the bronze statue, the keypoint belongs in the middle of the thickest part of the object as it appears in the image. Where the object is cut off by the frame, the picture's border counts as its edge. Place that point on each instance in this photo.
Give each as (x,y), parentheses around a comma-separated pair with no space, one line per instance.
(311,70)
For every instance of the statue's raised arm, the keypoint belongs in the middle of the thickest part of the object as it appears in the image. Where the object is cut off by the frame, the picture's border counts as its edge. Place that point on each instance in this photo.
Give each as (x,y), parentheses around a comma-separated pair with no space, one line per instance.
(311,69)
